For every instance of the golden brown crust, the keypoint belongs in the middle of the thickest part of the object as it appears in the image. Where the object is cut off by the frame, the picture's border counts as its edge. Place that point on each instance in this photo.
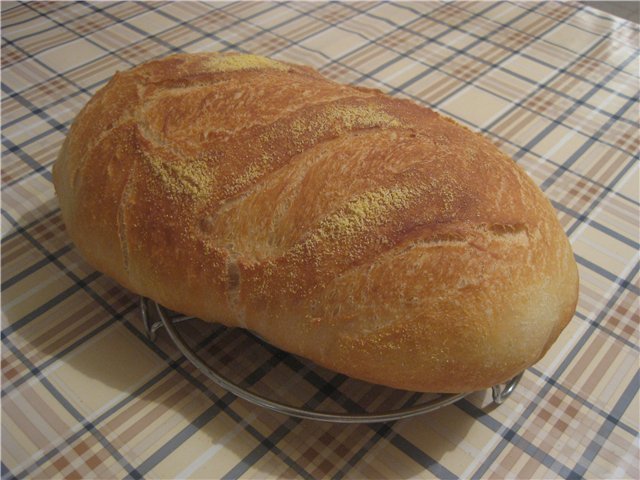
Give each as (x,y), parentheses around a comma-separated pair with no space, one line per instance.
(366,233)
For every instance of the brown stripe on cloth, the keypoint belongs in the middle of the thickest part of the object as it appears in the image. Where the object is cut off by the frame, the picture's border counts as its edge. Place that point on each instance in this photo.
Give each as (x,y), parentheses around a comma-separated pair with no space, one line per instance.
(372,52)
(167,394)
(629,140)
(621,214)
(246,9)
(48,231)
(84,453)
(465,70)
(578,194)
(42,93)
(548,102)
(582,363)
(11,55)
(268,44)
(495,54)
(599,59)
(614,458)
(135,53)
(562,13)
(97,71)
(11,13)
(596,386)
(360,26)
(179,35)
(12,367)
(51,91)
(189,10)
(46,40)
(514,122)
(11,109)
(29,426)
(625,317)
(218,20)
(627,33)
(45,7)
(112,39)
(43,409)
(305,30)
(400,39)
(75,327)
(13,251)
(92,24)
(126,10)
(335,13)
(451,14)
(607,165)
(439,88)
(572,84)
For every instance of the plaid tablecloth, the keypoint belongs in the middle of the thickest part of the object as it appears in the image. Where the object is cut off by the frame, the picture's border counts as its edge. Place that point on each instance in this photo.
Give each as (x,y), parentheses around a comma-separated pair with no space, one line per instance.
(86,394)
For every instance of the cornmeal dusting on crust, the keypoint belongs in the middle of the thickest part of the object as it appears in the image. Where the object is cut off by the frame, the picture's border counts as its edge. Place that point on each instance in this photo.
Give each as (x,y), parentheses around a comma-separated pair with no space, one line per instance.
(192,179)
(254,171)
(361,116)
(235,62)
(341,119)
(364,211)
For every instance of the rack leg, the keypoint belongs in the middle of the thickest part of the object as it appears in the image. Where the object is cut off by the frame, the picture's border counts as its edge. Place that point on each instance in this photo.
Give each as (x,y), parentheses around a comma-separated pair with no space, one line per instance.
(501,392)
(150,327)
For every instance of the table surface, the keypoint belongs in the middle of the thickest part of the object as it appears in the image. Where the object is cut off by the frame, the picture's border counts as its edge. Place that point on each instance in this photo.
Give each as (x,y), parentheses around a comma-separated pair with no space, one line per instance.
(86,394)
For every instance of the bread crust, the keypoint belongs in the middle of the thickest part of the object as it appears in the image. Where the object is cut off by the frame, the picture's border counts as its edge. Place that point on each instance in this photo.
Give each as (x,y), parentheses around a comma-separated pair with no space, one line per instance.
(366,233)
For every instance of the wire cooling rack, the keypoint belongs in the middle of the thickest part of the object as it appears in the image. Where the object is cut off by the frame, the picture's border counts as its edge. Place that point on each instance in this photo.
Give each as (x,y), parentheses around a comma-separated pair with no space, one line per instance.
(250,368)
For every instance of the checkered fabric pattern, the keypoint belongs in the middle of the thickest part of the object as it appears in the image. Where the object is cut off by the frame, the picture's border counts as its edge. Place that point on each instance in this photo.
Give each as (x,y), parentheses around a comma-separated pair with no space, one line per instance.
(86,394)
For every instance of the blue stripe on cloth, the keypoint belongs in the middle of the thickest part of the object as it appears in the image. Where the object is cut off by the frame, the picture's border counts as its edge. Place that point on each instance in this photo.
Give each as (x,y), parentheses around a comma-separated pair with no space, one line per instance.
(625,341)
(49,304)
(7,27)
(415,48)
(209,414)
(34,267)
(64,402)
(495,66)
(49,29)
(27,159)
(55,75)
(627,284)
(381,431)
(591,140)
(174,366)
(583,401)
(156,457)
(77,281)
(422,458)
(261,450)
(514,438)
(528,56)
(15,233)
(5,473)
(331,390)
(569,358)
(582,219)
(8,387)
(607,427)
(589,210)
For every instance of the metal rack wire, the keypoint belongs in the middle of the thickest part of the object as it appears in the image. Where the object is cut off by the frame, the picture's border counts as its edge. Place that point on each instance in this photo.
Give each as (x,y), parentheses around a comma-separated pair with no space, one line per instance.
(155,317)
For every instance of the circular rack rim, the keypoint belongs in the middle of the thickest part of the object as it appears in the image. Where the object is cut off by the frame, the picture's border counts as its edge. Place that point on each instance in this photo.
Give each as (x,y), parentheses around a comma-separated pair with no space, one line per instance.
(499,392)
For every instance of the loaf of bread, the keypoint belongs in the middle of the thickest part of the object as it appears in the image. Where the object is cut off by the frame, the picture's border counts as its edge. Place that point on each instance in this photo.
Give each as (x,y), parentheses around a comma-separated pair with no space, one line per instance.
(368,234)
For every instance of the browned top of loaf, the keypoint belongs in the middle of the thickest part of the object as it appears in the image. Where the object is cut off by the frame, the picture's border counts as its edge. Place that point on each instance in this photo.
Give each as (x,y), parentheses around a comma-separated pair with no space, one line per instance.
(253,184)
